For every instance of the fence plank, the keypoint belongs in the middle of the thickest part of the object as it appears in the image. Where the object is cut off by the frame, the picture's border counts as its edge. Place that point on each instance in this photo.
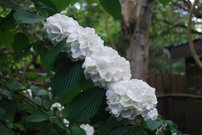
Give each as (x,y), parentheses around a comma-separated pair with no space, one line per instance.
(165,83)
(176,104)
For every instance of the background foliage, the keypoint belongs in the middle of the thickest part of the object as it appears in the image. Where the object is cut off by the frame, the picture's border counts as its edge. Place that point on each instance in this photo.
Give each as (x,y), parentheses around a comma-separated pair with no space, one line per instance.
(29,62)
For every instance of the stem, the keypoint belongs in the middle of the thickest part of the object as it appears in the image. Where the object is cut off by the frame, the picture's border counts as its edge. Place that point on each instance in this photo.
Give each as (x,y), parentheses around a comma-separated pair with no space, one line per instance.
(30,102)
(191,45)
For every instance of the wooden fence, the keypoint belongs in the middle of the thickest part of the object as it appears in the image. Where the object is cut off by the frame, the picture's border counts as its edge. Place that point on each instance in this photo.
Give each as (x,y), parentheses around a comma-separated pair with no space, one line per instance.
(176,104)
(168,84)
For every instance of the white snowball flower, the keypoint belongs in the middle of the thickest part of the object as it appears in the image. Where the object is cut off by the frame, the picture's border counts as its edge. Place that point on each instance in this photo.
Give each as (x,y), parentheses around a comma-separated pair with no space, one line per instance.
(59,27)
(105,66)
(83,43)
(66,122)
(88,129)
(129,98)
(57,105)
(150,115)
(28,92)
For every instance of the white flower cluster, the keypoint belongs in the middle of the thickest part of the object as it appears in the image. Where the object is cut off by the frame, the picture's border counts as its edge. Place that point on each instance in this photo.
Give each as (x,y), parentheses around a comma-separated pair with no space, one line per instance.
(150,115)
(28,93)
(59,27)
(88,129)
(59,108)
(66,122)
(126,98)
(80,41)
(102,64)
(83,42)
(57,105)
(105,66)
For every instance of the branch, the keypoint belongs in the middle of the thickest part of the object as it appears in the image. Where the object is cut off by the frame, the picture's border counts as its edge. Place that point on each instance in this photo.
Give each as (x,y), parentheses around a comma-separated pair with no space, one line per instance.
(177,23)
(188,4)
(61,130)
(191,45)
(28,64)
(181,25)
(180,6)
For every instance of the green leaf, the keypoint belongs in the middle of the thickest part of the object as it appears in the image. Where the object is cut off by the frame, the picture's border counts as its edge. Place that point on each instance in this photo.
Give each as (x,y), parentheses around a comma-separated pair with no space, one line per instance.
(102,114)
(62,61)
(65,80)
(46,103)
(5,131)
(54,52)
(137,131)
(21,45)
(14,85)
(171,124)
(121,131)
(113,7)
(11,4)
(9,107)
(7,22)
(38,101)
(35,89)
(42,92)
(69,96)
(22,16)
(5,94)
(164,2)
(153,125)
(36,118)
(2,113)
(86,83)
(105,128)
(128,130)
(45,6)
(48,130)
(6,37)
(86,104)
(40,48)
(77,130)
(62,4)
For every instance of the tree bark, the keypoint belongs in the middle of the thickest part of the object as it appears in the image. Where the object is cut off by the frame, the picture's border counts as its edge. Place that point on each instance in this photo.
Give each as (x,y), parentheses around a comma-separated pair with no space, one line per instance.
(136,21)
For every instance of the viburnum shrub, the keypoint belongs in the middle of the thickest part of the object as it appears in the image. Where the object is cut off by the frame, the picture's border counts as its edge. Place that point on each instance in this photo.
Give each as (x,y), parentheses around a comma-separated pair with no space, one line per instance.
(126,97)
(85,87)
(114,92)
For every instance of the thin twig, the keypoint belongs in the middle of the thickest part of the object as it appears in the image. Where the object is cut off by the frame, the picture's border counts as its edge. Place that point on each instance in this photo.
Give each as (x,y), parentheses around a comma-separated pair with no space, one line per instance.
(30,102)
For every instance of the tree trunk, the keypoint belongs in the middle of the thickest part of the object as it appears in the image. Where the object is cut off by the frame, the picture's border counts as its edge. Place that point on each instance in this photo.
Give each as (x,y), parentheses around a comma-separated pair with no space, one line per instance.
(136,21)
